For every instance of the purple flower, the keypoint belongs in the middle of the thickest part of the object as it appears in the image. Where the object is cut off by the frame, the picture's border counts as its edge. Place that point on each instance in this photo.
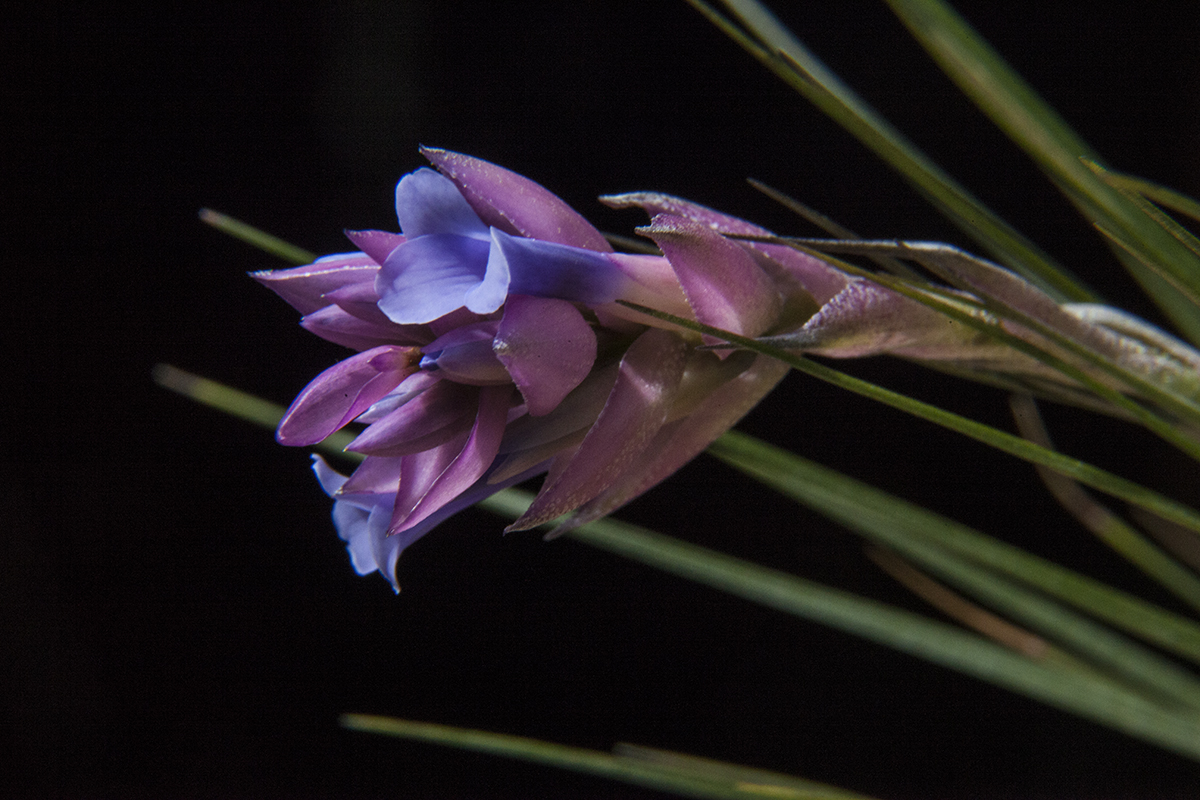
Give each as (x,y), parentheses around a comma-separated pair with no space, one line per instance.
(491,349)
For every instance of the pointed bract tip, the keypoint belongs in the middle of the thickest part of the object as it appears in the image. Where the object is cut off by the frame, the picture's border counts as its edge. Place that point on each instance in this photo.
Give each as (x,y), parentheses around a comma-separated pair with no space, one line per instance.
(558,530)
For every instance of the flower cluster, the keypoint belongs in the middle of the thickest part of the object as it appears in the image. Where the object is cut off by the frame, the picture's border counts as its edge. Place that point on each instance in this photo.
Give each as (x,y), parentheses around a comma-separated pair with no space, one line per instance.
(491,348)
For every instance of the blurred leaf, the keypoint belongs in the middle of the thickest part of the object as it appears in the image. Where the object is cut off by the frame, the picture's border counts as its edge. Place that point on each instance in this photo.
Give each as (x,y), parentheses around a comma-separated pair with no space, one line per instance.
(958,607)
(253,236)
(783,54)
(1073,690)
(658,769)
(1033,125)
(1077,691)
(1156,193)
(918,534)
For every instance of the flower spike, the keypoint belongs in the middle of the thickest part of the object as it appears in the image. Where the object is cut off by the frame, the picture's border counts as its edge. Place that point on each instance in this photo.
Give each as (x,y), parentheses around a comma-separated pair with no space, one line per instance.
(492,349)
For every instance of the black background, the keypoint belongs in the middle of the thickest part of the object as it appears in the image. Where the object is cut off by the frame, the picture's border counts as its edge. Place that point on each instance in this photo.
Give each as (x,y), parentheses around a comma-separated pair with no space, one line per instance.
(179,619)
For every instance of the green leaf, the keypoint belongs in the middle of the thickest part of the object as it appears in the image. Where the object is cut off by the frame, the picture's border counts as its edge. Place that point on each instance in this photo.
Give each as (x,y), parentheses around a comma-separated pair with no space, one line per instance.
(1033,125)
(1138,191)
(1131,185)
(783,54)
(951,549)
(1076,691)
(253,236)
(658,769)
(1089,696)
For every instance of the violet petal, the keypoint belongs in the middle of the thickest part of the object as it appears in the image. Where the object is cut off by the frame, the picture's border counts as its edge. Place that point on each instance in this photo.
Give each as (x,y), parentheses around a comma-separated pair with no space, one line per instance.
(457,319)
(361,522)
(508,465)
(547,347)
(429,203)
(654,204)
(818,278)
(376,244)
(344,391)
(334,324)
(546,269)
(386,548)
(361,301)
(375,475)
(330,480)
(578,410)
(483,330)
(420,498)
(406,390)
(304,287)
(654,284)
(428,420)
(516,204)
(429,277)
(465,355)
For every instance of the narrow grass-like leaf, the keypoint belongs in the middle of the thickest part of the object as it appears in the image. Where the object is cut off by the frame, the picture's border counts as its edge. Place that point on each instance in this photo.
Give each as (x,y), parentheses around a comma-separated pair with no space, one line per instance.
(1130,188)
(671,772)
(883,517)
(1075,691)
(957,606)
(1183,543)
(260,239)
(1034,126)
(759,782)
(904,528)
(1090,697)
(833,228)
(1156,193)
(1115,655)
(783,54)
(1127,255)
(1106,525)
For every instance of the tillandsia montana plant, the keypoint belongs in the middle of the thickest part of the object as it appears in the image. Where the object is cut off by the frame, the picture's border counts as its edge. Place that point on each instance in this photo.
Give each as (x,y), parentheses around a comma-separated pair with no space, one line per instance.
(497,341)
(499,337)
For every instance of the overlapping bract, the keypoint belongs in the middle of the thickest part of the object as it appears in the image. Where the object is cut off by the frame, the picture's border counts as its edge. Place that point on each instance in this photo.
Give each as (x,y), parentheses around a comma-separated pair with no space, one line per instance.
(854,317)
(491,349)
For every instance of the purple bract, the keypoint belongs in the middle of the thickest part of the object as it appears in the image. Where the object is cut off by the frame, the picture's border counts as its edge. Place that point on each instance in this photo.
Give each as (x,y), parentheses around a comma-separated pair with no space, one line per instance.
(491,349)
